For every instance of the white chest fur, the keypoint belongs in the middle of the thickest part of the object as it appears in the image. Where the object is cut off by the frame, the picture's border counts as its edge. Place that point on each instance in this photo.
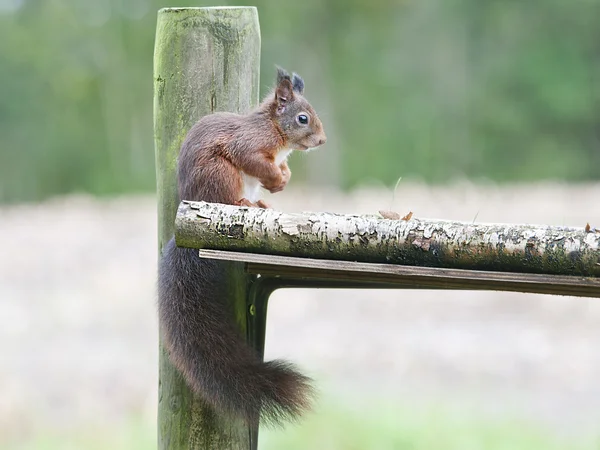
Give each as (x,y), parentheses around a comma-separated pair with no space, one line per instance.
(282,155)
(252,185)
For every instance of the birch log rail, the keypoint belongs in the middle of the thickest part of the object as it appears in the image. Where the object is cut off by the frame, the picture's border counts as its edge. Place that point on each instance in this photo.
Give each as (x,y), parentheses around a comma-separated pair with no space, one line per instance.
(354,250)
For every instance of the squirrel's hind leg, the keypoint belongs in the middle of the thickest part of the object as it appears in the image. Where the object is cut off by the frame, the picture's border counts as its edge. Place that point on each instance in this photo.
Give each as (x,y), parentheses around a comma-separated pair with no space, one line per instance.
(258,204)
(244,202)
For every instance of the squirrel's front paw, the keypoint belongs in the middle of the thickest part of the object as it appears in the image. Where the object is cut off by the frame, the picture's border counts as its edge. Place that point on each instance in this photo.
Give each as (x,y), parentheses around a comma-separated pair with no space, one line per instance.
(274,185)
(276,188)
(286,174)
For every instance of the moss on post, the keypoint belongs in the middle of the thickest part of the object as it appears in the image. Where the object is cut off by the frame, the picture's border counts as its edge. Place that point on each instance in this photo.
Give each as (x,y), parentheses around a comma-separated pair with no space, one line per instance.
(205,60)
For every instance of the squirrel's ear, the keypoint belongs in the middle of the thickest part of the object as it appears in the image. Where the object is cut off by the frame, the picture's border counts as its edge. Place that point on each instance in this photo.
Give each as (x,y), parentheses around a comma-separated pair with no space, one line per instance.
(284,92)
(282,74)
(298,83)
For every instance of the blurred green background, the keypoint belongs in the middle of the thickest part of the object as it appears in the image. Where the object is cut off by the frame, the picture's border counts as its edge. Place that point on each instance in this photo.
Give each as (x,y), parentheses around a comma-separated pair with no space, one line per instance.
(431,89)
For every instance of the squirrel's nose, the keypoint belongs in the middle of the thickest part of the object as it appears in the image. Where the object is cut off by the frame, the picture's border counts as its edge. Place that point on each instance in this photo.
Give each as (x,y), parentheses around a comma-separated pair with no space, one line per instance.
(322,140)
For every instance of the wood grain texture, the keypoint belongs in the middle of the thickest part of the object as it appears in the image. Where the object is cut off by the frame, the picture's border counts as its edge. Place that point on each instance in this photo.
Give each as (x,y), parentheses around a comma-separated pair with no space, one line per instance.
(308,272)
(205,60)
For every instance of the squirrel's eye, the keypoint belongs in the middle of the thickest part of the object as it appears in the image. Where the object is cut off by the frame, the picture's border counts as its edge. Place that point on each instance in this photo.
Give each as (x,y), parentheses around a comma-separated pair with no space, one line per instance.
(302,119)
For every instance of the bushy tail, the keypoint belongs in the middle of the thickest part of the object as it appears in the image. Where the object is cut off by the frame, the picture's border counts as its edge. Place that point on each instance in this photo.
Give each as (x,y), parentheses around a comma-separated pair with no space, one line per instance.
(204,345)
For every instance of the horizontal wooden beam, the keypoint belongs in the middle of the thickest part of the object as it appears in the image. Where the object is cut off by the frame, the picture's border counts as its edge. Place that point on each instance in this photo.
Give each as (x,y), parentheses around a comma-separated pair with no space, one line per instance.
(518,248)
(307,272)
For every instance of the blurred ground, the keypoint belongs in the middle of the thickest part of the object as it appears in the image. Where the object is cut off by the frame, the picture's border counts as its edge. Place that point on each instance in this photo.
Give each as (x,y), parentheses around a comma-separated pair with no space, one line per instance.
(78,328)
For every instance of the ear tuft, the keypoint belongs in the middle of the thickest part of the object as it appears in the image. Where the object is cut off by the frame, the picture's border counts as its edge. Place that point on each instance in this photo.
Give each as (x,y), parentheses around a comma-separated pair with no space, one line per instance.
(284,92)
(298,83)
(282,74)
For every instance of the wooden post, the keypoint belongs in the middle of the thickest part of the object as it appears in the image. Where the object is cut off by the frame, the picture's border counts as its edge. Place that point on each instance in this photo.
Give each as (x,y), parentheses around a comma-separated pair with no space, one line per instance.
(205,60)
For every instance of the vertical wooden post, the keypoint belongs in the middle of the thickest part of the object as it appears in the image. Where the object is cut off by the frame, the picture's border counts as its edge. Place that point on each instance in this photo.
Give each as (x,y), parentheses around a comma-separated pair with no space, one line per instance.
(205,60)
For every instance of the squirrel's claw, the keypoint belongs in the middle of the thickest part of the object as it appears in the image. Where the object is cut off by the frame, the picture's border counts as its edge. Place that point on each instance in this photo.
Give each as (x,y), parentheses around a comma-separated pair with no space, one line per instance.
(244,202)
(259,204)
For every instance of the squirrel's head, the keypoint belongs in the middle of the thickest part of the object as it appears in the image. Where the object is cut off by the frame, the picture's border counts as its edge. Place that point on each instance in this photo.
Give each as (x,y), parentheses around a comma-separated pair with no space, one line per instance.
(295,116)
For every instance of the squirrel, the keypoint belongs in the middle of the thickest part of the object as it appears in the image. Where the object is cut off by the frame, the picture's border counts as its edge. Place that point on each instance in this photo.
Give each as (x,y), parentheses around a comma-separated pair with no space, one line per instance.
(226,158)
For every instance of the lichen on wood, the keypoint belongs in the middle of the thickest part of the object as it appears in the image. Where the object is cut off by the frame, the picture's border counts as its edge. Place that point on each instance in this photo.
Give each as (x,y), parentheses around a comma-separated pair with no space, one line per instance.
(205,60)
(416,242)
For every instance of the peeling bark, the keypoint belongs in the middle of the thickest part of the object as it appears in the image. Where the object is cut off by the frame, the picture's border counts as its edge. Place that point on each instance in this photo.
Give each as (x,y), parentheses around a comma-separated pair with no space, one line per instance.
(433,243)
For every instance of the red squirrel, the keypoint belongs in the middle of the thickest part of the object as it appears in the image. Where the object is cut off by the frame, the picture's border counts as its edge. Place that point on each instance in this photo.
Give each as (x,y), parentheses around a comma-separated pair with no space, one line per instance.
(226,158)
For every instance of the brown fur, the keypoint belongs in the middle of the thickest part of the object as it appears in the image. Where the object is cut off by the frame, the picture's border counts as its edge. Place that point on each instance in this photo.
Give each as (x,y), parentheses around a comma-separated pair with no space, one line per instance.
(196,324)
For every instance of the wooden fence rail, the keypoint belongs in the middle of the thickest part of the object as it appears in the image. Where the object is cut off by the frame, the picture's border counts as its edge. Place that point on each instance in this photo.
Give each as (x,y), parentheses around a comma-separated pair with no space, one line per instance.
(540,249)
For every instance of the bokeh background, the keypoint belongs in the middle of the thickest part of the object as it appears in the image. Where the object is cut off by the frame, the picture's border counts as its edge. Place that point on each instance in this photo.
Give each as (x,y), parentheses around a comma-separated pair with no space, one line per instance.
(486,111)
